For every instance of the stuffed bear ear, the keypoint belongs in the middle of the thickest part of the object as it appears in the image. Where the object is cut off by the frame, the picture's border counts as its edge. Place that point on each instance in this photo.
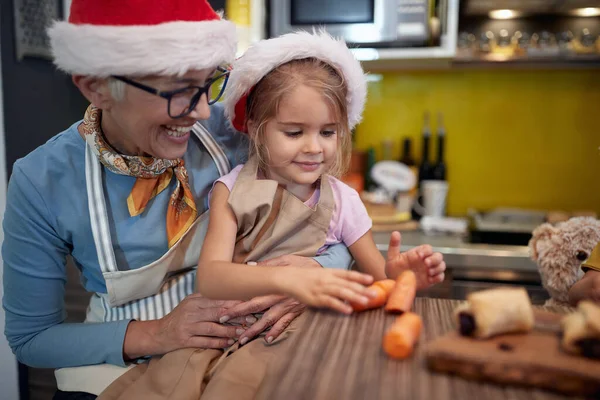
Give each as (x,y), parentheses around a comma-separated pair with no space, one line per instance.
(542,232)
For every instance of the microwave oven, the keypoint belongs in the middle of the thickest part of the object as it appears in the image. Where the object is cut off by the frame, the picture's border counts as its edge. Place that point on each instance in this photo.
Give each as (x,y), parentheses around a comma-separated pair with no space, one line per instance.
(376,23)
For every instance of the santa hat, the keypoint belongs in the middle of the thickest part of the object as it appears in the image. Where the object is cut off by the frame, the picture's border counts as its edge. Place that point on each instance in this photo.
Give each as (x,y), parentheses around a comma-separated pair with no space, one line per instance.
(133,37)
(267,55)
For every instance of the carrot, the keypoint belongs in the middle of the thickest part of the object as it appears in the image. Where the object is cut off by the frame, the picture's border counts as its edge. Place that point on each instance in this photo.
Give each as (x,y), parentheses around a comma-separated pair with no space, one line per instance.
(402,336)
(386,284)
(404,292)
(383,289)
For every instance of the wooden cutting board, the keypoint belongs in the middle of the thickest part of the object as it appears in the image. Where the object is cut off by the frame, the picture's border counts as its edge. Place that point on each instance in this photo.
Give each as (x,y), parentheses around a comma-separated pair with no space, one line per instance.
(533,359)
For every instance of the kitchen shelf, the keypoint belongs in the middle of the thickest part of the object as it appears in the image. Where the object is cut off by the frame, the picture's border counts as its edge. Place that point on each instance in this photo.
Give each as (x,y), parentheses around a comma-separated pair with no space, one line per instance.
(377,60)
(458,62)
(582,61)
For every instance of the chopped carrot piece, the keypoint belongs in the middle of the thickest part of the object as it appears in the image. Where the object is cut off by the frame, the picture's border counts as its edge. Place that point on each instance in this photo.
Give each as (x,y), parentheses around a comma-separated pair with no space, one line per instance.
(386,284)
(402,336)
(383,289)
(403,295)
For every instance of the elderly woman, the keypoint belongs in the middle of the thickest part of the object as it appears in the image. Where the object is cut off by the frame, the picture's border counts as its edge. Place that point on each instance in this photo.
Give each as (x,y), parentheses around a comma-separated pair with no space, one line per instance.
(123,192)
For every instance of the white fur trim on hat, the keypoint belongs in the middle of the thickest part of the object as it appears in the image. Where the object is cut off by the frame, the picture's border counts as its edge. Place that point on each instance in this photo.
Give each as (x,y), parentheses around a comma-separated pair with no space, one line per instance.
(266,55)
(171,48)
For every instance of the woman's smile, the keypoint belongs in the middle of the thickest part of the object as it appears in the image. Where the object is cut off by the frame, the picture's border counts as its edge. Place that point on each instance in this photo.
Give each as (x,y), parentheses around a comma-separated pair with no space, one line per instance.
(177,134)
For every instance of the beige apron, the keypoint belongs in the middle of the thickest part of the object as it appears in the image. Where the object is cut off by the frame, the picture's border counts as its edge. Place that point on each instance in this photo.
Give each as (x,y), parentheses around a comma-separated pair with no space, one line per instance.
(277,223)
(273,222)
(146,293)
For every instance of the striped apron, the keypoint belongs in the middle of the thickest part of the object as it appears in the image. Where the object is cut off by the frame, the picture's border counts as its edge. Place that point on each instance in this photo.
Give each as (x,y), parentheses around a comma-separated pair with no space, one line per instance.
(145,293)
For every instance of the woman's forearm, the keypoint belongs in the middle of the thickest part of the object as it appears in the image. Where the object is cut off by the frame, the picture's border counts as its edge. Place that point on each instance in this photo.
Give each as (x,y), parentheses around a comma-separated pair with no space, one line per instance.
(142,339)
(337,256)
(72,345)
(223,280)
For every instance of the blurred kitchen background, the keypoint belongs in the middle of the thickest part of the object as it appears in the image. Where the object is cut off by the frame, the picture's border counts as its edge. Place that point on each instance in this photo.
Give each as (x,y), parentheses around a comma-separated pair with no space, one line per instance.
(482,122)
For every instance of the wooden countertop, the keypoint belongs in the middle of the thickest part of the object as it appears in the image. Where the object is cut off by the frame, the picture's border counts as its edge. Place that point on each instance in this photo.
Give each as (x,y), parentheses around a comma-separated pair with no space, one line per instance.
(340,357)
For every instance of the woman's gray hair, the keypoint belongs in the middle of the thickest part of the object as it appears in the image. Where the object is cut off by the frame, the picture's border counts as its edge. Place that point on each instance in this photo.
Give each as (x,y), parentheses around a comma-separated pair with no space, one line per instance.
(117,89)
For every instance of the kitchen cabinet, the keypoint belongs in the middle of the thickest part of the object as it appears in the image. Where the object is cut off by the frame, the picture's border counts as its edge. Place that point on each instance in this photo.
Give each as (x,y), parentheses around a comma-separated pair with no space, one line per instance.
(540,34)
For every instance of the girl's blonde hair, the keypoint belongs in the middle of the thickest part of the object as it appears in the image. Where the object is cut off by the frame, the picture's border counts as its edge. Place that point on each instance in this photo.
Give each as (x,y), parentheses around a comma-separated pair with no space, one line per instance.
(264,100)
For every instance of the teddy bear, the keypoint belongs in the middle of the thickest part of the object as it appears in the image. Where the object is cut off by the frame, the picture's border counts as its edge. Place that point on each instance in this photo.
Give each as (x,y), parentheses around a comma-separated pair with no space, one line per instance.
(559,250)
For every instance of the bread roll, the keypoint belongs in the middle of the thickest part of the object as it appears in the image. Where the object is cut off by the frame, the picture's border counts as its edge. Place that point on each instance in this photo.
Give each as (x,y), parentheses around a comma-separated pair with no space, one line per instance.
(581,330)
(493,312)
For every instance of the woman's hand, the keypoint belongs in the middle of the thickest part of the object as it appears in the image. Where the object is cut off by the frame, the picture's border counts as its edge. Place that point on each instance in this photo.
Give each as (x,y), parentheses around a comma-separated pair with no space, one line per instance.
(587,288)
(279,312)
(428,266)
(193,323)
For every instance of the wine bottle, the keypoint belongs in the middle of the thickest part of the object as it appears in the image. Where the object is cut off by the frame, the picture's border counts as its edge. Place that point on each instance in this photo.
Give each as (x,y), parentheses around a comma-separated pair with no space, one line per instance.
(406,158)
(439,171)
(370,184)
(425,166)
(409,161)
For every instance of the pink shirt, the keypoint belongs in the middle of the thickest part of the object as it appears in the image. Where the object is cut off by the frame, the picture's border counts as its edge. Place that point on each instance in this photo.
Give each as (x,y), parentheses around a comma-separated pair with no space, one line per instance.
(349,221)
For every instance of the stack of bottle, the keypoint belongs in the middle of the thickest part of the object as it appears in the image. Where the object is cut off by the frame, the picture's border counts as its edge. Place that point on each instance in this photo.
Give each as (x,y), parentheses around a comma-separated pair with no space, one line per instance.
(427,170)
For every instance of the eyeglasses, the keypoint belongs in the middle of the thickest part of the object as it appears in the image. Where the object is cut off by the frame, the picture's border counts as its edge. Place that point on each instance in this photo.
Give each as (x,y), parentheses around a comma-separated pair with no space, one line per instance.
(183,101)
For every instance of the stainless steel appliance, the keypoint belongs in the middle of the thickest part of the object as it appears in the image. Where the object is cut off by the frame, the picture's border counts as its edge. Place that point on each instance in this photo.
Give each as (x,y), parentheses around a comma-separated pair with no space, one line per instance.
(377,23)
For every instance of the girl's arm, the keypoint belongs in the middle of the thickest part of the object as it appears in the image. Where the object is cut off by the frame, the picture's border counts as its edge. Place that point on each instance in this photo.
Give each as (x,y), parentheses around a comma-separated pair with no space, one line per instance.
(217,276)
(353,221)
(220,278)
(368,258)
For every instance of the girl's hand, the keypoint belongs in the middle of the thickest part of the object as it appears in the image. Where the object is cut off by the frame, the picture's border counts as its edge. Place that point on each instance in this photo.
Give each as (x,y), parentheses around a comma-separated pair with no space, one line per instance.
(325,287)
(428,266)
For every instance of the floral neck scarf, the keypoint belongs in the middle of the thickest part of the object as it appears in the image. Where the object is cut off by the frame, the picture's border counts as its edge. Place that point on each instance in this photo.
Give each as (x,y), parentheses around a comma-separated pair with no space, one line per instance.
(153,176)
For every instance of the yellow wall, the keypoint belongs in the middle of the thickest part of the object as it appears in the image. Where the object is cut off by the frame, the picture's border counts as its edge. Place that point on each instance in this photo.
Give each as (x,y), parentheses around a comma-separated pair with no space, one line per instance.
(514,138)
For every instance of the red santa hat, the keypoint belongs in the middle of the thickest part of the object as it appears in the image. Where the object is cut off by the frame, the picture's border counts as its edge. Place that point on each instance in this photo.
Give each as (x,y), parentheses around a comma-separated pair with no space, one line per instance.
(266,55)
(149,37)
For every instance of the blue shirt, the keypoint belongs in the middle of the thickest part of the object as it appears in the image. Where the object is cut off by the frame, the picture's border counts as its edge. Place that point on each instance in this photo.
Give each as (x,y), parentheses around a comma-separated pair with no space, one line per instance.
(47,219)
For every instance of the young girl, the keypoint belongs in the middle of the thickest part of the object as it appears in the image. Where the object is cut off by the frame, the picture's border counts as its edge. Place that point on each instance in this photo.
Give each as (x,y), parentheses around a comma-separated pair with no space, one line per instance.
(298,97)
